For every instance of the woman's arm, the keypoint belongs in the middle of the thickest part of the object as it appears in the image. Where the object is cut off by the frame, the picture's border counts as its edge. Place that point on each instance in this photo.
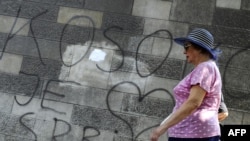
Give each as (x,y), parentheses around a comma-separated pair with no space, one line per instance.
(223,111)
(194,100)
(222,116)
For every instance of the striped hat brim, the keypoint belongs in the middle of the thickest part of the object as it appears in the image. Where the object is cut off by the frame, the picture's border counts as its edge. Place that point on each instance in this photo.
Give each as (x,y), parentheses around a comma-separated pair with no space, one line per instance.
(181,41)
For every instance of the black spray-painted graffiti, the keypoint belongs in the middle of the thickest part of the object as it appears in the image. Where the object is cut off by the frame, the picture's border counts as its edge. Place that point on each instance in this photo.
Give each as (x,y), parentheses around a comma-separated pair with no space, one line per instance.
(229,93)
(46,91)
(54,137)
(140,99)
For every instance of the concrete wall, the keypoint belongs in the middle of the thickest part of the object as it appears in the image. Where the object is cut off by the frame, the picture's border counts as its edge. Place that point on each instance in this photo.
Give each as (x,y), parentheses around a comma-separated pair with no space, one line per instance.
(104,70)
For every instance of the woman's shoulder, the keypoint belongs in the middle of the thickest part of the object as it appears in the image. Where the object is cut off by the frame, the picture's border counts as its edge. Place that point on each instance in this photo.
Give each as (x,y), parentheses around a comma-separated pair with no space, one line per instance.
(208,67)
(207,64)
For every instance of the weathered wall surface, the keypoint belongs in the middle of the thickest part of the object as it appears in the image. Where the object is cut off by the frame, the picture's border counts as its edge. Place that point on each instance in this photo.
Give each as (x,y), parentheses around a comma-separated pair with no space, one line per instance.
(104,70)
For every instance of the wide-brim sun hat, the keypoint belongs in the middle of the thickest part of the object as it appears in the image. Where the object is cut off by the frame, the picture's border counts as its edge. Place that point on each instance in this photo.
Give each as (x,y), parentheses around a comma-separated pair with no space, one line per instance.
(202,38)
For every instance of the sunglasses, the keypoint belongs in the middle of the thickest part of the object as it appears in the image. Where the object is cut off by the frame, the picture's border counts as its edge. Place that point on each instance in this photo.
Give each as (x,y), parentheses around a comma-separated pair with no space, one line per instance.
(186,46)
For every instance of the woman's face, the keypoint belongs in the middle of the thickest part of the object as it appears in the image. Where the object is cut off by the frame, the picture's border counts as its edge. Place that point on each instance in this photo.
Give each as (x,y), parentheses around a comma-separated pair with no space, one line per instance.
(192,54)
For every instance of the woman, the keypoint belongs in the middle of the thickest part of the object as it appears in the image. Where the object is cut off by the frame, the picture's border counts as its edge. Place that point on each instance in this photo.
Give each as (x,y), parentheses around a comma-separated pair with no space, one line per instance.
(198,95)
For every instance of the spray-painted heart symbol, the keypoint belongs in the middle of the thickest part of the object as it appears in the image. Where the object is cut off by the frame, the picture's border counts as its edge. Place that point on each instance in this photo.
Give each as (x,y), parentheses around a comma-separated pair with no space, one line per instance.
(140,99)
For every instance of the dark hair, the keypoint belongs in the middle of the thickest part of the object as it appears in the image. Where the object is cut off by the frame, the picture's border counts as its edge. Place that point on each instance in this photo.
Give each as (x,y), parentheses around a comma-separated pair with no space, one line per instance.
(203,50)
